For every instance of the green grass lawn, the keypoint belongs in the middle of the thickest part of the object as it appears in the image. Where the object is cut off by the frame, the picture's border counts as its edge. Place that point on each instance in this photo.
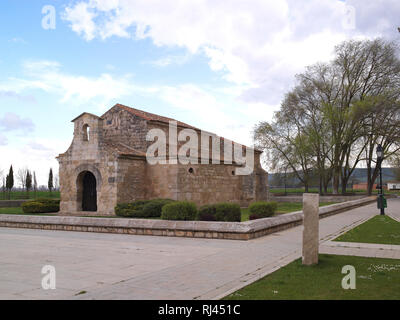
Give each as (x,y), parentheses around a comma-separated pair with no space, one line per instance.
(22,195)
(379,229)
(375,279)
(11,210)
(283,207)
(19,211)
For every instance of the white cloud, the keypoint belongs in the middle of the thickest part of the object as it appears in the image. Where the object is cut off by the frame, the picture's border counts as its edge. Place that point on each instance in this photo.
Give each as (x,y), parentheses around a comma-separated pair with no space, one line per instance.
(16,95)
(170,60)
(13,122)
(261,43)
(81,20)
(76,89)
(3,140)
(214,110)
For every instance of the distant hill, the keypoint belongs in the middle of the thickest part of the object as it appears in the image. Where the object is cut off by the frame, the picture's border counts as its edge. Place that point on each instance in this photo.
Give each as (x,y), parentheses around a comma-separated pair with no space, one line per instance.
(359,176)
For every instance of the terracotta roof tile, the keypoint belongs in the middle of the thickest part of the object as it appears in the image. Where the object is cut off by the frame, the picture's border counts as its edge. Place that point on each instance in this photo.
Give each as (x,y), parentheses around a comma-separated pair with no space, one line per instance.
(153,117)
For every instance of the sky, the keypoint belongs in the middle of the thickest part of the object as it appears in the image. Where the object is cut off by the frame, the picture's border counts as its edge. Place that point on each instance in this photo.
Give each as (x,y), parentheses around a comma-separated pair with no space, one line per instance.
(221,66)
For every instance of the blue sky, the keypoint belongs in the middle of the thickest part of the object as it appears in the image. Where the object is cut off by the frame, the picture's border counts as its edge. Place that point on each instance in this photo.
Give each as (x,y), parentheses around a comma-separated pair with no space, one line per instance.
(220,66)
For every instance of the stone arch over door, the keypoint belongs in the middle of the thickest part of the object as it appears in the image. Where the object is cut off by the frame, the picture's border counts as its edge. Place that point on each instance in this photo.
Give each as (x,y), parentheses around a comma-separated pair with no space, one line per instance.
(87,191)
(88,183)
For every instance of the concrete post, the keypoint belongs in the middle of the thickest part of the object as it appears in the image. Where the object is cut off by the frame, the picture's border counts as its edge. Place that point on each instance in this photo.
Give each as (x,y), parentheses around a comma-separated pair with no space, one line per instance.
(311,228)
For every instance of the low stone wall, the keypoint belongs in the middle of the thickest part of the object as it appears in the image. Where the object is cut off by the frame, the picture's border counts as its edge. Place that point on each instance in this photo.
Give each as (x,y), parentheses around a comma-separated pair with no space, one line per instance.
(11,203)
(194,229)
(338,198)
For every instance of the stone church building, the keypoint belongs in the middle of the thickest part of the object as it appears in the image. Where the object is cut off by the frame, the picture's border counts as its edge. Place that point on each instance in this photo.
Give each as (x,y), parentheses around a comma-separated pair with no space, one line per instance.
(106,164)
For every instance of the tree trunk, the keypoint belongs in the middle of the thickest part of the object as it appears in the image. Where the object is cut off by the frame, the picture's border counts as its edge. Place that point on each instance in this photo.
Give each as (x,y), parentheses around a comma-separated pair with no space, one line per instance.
(369,178)
(369,189)
(336,177)
(320,185)
(344,185)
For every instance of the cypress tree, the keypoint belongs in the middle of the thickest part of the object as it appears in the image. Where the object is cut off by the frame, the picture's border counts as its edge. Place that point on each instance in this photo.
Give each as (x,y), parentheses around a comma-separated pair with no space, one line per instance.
(34,184)
(50,184)
(10,181)
(28,182)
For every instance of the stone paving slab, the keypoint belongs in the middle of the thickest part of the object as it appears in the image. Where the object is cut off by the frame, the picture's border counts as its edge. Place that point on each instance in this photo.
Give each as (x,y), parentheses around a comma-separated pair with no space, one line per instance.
(118,266)
(361,252)
(374,250)
(361,245)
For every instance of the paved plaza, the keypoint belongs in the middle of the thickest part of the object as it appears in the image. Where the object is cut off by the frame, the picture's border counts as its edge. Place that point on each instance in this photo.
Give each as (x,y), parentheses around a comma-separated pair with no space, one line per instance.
(113,266)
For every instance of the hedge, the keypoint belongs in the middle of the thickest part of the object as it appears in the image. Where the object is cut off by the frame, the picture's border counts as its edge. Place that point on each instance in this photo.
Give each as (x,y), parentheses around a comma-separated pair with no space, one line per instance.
(169,209)
(142,208)
(153,209)
(179,210)
(229,212)
(133,209)
(207,213)
(262,209)
(41,206)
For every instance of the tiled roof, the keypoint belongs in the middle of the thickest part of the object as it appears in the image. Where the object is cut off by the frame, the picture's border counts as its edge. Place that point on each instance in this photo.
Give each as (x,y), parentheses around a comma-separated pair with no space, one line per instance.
(153,117)
(86,113)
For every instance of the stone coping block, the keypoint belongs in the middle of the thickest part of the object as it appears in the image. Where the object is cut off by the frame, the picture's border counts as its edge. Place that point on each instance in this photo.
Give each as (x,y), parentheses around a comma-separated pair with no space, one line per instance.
(199,229)
(326,198)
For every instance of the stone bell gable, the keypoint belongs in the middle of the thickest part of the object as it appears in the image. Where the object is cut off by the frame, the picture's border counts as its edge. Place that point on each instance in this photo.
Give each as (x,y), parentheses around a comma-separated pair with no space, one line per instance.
(106,164)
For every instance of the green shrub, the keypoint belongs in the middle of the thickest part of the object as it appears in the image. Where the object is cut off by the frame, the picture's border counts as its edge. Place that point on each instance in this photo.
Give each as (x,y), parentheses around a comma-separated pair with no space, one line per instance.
(153,209)
(133,209)
(179,210)
(228,212)
(141,208)
(262,209)
(207,213)
(41,206)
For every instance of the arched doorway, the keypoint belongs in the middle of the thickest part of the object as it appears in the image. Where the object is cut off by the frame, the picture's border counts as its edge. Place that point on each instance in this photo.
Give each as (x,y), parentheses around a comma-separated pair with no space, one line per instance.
(89,192)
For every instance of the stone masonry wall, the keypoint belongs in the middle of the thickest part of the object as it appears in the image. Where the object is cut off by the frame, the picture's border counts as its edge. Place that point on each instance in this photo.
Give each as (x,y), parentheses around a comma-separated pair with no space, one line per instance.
(206,184)
(121,126)
(128,178)
(87,156)
(131,180)
(209,182)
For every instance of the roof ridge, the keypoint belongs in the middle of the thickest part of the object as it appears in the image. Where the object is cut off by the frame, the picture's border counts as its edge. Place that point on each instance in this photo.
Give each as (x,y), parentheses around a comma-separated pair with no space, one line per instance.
(152,116)
(155,117)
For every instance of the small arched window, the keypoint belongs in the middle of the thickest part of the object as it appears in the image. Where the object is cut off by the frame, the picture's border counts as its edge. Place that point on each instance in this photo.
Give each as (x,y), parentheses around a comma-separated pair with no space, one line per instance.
(86,132)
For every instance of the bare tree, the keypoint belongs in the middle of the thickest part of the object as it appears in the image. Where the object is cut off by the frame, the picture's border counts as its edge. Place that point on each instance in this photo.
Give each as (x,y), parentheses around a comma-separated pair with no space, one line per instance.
(21,177)
(337,113)
(35,184)
(285,146)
